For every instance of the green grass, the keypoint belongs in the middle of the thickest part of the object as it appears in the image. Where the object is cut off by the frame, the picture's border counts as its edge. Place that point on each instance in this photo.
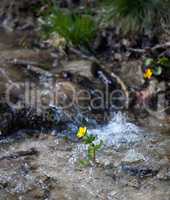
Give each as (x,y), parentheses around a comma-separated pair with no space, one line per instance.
(141,15)
(79,26)
(79,29)
(135,15)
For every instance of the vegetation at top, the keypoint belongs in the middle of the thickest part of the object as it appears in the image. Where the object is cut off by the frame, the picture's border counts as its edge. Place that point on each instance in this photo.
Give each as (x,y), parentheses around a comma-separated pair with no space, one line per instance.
(141,15)
(79,24)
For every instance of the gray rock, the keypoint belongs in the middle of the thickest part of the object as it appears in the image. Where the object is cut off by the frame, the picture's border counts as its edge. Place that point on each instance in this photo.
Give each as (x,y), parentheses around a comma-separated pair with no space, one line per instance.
(132,156)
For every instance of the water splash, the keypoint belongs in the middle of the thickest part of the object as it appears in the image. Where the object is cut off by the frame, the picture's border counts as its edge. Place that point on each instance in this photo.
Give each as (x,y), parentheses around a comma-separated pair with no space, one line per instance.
(118,132)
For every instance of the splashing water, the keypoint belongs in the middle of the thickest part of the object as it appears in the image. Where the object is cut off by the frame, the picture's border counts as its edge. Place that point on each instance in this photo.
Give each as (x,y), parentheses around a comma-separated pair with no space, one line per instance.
(119,131)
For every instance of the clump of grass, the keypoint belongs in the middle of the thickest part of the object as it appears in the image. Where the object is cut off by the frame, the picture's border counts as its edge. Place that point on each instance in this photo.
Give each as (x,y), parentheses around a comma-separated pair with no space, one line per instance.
(130,16)
(79,29)
(138,15)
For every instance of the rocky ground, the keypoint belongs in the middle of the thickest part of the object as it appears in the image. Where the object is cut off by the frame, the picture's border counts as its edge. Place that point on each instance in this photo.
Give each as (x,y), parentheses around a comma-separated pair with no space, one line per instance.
(38,163)
(47,167)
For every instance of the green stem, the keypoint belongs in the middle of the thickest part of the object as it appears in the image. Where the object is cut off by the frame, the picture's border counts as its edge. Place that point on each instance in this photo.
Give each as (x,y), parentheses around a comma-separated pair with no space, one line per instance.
(94,155)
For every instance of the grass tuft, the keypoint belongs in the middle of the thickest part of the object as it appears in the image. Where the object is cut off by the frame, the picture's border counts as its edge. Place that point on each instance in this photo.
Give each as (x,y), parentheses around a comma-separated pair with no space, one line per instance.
(75,28)
(141,15)
(136,15)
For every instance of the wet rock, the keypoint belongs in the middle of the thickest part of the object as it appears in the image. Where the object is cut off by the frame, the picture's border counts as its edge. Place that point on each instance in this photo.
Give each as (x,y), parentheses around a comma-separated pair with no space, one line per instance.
(132,157)
(28,118)
(139,171)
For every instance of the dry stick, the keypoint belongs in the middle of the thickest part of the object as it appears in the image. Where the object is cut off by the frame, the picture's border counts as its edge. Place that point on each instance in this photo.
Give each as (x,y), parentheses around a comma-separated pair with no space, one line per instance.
(18,154)
(159,46)
(142,51)
(30,65)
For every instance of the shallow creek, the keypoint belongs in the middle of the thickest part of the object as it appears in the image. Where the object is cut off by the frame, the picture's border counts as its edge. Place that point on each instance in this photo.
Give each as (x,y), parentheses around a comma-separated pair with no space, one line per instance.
(133,164)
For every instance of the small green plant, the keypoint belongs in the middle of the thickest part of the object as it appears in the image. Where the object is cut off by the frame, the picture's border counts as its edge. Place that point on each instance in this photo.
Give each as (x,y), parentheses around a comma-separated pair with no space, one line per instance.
(92,147)
(155,67)
(79,29)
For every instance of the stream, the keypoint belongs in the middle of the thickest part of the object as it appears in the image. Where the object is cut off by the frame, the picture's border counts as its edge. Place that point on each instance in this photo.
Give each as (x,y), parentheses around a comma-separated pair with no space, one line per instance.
(133,164)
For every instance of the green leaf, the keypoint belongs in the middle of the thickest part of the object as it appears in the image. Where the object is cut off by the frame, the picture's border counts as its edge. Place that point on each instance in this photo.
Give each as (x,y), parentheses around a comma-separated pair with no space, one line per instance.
(157,71)
(89,139)
(91,152)
(84,163)
(163,60)
(148,61)
(98,146)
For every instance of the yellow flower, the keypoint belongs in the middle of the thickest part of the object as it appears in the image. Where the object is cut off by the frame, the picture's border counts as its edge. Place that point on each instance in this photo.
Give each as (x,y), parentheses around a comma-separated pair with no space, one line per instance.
(81,132)
(148,73)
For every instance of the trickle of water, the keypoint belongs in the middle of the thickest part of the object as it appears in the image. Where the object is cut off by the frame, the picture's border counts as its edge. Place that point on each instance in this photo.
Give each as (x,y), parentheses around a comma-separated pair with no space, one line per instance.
(119,131)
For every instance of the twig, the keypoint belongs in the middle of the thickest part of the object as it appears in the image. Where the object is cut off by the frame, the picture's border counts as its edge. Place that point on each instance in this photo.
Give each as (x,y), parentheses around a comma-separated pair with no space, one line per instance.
(82,55)
(142,51)
(31,66)
(160,46)
(24,62)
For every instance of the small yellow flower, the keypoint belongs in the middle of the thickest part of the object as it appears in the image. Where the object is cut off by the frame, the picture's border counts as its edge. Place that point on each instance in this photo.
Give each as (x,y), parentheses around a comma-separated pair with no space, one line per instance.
(81,132)
(148,73)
